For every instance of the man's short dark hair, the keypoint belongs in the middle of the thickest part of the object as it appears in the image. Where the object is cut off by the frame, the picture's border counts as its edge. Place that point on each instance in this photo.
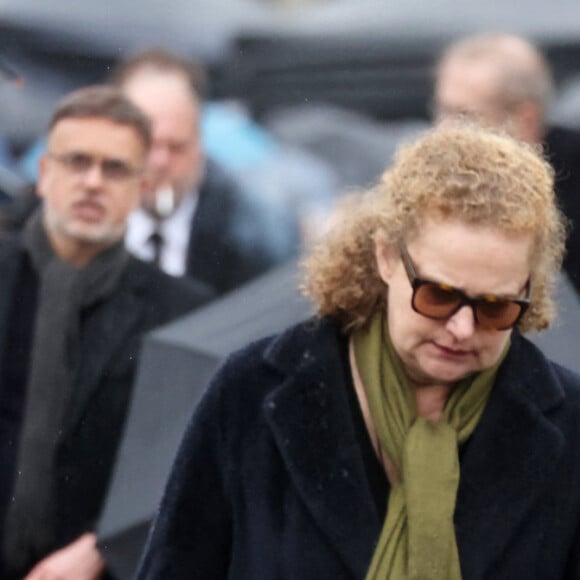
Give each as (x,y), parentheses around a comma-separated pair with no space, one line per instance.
(103,102)
(161,60)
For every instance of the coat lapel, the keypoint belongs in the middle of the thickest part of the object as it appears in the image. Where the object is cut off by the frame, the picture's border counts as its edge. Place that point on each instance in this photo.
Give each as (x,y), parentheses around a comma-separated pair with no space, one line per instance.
(103,335)
(508,462)
(310,419)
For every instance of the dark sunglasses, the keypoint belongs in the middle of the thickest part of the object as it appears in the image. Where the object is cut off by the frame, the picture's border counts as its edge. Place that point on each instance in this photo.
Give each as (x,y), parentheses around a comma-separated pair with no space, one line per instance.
(440,301)
(81,163)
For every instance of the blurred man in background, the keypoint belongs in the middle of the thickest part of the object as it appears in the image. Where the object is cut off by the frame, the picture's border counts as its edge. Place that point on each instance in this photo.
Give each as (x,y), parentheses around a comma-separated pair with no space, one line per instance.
(503,80)
(193,219)
(74,307)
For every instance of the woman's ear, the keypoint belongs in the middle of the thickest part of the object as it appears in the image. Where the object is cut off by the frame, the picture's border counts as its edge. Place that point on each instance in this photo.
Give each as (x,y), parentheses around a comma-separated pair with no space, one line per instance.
(387,260)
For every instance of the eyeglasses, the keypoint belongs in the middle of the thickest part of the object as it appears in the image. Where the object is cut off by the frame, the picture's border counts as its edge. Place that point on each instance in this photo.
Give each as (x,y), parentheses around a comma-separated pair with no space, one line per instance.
(81,163)
(439,301)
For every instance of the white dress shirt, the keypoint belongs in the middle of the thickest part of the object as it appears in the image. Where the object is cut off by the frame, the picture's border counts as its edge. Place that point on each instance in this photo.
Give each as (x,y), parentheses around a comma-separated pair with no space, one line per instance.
(174,231)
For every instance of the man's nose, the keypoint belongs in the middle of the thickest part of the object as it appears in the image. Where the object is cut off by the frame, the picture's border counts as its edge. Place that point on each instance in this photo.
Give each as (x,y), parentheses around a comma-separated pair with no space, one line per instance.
(462,323)
(93,176)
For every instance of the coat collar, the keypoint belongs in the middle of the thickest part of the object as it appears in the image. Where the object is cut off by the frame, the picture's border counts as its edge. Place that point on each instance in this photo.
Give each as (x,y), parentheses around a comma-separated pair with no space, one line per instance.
(505,468)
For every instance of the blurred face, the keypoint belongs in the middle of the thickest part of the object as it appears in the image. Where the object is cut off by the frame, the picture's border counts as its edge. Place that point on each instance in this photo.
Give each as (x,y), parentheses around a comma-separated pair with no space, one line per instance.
(470,90)
(90,180)
(476,260)
(175,158)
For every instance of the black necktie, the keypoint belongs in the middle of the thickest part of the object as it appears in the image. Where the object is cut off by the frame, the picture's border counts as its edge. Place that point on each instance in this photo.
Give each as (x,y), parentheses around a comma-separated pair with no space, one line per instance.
(156,241)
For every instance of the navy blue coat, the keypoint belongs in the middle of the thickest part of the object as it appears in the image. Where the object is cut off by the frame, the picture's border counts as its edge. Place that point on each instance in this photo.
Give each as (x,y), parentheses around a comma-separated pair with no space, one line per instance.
(270,483)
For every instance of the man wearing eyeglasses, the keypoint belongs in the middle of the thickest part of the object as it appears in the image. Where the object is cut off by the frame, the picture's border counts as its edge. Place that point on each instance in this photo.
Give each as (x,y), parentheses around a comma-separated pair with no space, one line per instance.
(74,307)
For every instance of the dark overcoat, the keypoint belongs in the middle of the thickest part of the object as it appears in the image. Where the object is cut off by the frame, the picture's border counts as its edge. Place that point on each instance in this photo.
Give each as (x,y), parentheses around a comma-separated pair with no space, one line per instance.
(270,482)
(110,338)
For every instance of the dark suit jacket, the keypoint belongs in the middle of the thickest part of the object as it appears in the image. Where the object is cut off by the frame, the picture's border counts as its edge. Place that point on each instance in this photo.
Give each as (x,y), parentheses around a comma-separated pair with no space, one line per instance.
(563,151)
(270,481)
(110,340)
(230,242)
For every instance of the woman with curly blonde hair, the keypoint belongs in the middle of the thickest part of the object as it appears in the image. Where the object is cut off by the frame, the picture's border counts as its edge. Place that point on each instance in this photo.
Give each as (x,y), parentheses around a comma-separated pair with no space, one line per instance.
(410,431)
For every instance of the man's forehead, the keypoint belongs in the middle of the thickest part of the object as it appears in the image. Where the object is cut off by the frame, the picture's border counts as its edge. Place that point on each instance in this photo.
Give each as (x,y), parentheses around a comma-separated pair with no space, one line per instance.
(481,76)
(96,133)
(154,91)
(473,90)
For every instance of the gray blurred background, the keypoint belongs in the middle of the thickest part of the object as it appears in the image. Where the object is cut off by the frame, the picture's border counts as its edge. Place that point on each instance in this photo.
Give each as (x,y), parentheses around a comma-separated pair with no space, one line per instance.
(327,77)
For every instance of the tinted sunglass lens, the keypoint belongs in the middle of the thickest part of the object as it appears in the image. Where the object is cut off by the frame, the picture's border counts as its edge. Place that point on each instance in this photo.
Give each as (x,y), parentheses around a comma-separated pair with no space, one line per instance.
(498,314)
(440,301)
(436,300)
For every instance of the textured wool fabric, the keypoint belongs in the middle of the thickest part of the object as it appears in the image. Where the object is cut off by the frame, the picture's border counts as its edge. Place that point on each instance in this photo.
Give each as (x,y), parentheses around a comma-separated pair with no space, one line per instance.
(418,537)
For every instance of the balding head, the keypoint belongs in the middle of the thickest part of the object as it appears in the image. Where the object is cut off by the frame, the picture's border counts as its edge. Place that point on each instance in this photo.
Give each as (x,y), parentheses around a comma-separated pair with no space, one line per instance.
(500,80)
(162,87)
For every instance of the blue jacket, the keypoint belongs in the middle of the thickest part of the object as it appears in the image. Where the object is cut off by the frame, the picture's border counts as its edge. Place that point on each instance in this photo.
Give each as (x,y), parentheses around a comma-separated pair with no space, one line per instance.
(270,483)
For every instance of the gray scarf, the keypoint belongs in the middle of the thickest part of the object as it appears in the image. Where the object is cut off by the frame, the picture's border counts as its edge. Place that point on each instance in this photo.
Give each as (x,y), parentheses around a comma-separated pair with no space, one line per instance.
(64,292)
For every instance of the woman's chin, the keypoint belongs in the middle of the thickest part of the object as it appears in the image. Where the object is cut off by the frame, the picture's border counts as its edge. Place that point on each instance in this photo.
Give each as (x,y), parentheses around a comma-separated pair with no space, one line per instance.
(441,374)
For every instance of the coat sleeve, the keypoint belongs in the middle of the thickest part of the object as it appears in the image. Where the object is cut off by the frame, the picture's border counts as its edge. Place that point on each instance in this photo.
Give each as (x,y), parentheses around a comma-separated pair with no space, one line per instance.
(191,536)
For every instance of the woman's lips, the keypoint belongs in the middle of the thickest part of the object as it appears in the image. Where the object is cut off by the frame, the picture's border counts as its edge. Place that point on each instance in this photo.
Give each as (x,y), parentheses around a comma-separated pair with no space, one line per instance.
(451,352)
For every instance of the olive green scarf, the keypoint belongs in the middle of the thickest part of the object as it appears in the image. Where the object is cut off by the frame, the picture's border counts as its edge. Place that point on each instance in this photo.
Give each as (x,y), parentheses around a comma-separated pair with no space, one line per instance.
(417,541)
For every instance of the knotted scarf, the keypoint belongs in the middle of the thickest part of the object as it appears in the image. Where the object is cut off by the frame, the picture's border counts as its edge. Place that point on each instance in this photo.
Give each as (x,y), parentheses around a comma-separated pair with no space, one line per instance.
(417,541)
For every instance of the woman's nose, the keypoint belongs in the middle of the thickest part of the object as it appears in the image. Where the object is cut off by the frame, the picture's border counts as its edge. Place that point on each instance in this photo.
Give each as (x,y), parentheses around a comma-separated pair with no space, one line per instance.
(462,323)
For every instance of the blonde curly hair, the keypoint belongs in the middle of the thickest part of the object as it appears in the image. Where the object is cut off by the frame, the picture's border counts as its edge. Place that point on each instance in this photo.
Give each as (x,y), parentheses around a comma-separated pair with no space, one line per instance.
(460,172)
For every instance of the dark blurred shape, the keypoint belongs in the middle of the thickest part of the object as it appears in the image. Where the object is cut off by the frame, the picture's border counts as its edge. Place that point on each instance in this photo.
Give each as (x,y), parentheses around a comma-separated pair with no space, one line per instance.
(10,183)
(14,214)
(10,73)
(381,76)
(11,187)
(562,149)
(560,342)
(356,147)
(176,363)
